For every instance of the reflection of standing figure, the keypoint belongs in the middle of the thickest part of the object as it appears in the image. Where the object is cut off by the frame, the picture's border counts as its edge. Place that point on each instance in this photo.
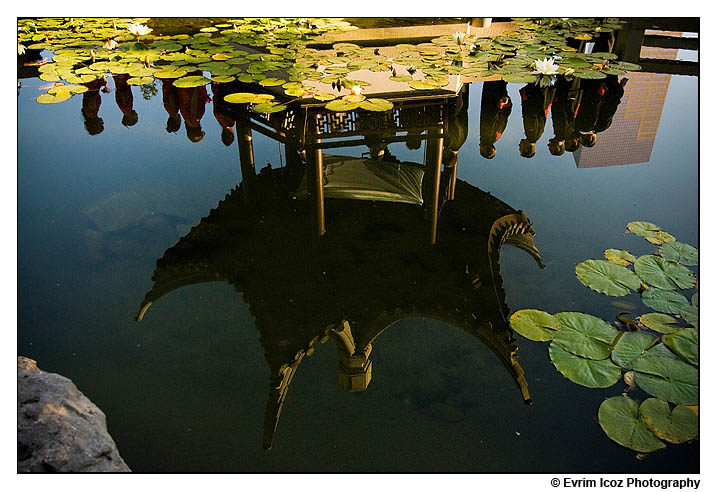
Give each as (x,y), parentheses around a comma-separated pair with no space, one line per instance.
(91,101)
(170,100)
(458,127)
(563,117)
(222,112)
(599,103)
(124,99)
(535,105)
(191,103)
(495,110)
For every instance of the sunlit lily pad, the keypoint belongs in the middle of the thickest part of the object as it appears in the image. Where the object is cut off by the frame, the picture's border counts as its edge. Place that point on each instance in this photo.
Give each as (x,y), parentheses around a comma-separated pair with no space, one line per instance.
(341,105)
(268,107)
(376,104)
(642,228)
(585,335)
(677,426)
(607,278)
(401,78)
(421,85)
(619,257)
(619,419)
(660,237)
(519,78)
(589,74)
(630,346)
(53,98)
(665,301)
(663,274)
(140,80)
(271,82)
(586,372)
(247,97)
(71,88)
(662,323)
(223,79)
(191,81)
(684,343)
(682,253)
(170,73)
(324,96)
(667,378)
(535,325)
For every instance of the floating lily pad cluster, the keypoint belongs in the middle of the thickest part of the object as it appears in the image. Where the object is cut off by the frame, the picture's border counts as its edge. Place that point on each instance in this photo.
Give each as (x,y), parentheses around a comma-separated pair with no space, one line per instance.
(657,352)
(266,53)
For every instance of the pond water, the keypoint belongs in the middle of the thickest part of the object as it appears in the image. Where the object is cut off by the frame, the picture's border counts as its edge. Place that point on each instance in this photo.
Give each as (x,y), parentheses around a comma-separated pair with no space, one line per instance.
(185,389)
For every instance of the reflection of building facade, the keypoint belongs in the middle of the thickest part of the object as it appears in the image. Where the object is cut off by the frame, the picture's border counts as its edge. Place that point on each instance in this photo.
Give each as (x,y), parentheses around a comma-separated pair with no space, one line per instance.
(630,138)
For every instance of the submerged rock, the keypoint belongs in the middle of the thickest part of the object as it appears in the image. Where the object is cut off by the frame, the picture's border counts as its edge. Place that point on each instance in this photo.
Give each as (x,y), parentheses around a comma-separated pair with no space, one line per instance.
(58,428)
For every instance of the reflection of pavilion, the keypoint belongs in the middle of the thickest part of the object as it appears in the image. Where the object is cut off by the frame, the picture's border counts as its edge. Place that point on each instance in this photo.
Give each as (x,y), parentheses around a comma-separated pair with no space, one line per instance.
(372,268)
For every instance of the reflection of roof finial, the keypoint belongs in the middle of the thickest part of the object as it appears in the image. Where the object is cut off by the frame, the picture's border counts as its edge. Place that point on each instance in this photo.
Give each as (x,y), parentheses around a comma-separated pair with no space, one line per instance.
(354,372)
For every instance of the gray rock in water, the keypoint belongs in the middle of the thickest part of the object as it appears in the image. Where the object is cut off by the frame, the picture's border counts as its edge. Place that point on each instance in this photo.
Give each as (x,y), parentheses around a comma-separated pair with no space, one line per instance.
(58,428)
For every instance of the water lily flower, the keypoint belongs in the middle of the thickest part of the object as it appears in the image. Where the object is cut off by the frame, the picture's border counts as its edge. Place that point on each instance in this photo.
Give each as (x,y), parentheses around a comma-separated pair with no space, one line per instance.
(545,67)
(110,44)
(20,49)
(459,37)
(356,90)
(138,29)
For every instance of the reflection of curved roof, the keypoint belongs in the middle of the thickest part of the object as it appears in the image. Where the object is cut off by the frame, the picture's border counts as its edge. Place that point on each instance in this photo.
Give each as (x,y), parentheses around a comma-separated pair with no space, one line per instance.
(372,268)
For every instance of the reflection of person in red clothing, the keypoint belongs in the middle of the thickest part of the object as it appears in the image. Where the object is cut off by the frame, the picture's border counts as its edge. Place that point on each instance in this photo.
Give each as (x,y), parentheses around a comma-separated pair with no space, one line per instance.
(495,110)
(191,104)
(170,100)
(123,98)
(599,103)
(563,117)
(222,112)
(91,101)
(535,105)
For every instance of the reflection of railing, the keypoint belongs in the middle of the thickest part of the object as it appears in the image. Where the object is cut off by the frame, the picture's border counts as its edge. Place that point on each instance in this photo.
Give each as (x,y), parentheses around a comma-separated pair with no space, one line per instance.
(633,37)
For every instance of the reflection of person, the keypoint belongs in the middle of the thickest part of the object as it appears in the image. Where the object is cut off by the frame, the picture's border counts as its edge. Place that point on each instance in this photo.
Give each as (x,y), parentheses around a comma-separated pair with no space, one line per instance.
(222,112)
(191,103)
(496,107)
(535,104)
(170,100)
(91,101)
(124,100)
(563,117)
(599,103)
(458,127)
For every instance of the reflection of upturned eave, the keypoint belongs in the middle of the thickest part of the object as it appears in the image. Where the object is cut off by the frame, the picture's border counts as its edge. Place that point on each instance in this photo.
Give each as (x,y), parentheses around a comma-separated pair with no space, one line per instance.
(173,281)
(279,383)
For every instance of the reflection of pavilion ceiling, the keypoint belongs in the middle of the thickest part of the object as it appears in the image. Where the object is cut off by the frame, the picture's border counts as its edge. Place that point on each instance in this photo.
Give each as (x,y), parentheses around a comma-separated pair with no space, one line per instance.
(372,268)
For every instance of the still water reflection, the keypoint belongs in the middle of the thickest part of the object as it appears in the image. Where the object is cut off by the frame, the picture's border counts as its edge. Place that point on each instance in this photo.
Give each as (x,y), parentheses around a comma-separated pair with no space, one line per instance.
(381,233)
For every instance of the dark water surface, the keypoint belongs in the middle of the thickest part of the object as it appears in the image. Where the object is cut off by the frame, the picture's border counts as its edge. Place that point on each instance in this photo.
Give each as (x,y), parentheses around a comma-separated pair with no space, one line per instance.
(185,389)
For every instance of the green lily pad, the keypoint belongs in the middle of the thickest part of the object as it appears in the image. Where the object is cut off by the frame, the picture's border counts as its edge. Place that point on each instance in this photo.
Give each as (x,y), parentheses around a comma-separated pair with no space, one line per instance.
(585,335)
(690,314)
(627,66)
(663,274)
(247,97)
(684,343)
(662,323)
(376,104)
(682,253)
(586,372)
(607,278)
(589,74)
(223,79)
(140,80)
(519,78)
(677,426)
(341,105)
(422,85)
(619,257)
(401,78)
(535,325)
(271,82)
(630,346)
(191,81)
(659,237)
(53,98)
(324,96)
(71,88)
(268,107)
(667,378)
(665,301)
(642,228)
(619,419)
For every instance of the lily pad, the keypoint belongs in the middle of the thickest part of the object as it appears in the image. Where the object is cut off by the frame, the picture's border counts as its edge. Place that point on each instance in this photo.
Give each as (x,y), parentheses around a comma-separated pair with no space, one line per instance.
(324,96)
(535,325)
(401,78)
(421,85)
(191,81)
(376,104)
(690,314)
(585,335)
(140,80)
(56,97)
(586,372)
(677,426)
(341,105)
(630,346)
(659,238)
(519,78)
(271,82)
(667,378)
(642,228)
(619,257)
(247,97)
(665,301)
(684,343)
(268,107)
(664,274)
(607,278)
(662,323)
(589,74)
(682,253)
(619,419)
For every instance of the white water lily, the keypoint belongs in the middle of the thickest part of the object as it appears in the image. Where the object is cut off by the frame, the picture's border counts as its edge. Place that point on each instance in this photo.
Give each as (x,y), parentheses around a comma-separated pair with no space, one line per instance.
(138,29)
(459,37)
(356,90)
(110,44)
(545,67)
(20,49)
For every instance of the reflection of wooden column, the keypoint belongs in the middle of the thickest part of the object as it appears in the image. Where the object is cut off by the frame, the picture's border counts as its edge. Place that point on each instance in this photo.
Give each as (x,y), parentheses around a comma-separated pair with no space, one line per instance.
(452,178)
(434,153)
(315,169)
(246,155)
